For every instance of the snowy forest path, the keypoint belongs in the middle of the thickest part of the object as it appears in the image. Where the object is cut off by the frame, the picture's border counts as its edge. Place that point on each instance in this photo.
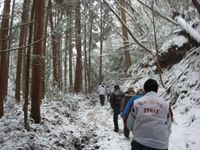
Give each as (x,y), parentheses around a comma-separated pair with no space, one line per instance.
(100,120)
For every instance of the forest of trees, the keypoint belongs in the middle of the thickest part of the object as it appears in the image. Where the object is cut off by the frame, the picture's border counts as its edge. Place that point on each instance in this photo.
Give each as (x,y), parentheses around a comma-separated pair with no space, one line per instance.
(67,44)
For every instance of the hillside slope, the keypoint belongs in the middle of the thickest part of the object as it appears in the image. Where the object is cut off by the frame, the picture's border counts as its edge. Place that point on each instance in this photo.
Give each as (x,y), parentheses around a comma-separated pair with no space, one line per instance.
(182,82)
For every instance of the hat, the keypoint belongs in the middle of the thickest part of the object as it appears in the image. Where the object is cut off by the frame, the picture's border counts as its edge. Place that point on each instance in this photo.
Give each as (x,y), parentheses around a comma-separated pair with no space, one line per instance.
(140,91)
(130,89)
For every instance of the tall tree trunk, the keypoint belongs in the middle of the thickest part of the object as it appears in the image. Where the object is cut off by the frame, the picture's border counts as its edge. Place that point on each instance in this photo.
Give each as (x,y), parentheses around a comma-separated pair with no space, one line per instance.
(10,42)
(85,58)
(65,61)
(101,45)
(27,78)
(78,72)
(21,51)
(90,50)
(3,63)
(59,40)
(37,61)
(55,43)
(127,57)
(69,48)
(44,49)
(70,51)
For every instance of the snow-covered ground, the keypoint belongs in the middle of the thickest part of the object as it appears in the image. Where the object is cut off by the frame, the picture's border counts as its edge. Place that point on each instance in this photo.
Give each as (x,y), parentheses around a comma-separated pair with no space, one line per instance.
(75,122)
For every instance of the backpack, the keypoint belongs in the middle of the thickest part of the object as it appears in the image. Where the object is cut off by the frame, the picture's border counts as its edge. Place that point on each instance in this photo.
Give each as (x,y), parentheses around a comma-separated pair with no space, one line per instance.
(118,96)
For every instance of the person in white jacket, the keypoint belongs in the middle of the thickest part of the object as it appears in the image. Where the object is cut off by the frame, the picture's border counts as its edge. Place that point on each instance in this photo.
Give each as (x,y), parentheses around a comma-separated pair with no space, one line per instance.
(102,93)
(150,120)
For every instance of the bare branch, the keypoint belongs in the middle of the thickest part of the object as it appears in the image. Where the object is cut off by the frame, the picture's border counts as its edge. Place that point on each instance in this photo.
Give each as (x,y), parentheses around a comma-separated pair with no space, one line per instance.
(132,17)
(13,49)
(114,29)
(131,34)
(17,26)
(166,18)
(156,47)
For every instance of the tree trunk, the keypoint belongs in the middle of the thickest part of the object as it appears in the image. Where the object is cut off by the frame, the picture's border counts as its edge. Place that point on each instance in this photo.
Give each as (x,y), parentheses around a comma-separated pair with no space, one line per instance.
(55,43)
(27,78)
(70,51)
(197,5)
(85,58)
(127,57)
(21,51)
(78,72)
(101,45)
(44,49)
(90,50)
(37,61)
(59,39)
(10,42)
(65,61)
(3,63)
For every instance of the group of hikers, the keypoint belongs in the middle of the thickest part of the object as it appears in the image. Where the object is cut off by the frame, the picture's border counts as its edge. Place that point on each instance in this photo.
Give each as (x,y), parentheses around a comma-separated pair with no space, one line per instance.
(144,113)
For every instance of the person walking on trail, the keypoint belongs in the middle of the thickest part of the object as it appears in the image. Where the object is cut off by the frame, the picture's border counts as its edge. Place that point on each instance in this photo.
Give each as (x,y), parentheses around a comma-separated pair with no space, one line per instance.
(102,93)
(115,101)
(150,120)
(126,111)
(108,92)
(128,107)
(128,94)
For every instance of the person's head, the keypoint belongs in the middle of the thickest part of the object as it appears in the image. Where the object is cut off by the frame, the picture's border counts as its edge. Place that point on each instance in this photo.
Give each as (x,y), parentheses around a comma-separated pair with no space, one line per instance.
(116,87)
(130,90)
(140,91)
(150,85)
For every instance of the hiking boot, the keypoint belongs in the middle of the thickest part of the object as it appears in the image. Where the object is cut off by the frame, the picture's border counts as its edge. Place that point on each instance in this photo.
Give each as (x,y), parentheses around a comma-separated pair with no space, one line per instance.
(116,130)
(126,132)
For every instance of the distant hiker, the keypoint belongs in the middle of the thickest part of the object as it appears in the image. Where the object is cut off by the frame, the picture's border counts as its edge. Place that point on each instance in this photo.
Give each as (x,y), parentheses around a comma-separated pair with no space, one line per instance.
(102,93)
(108,92)
(150,120)
(115,101)
(127,109)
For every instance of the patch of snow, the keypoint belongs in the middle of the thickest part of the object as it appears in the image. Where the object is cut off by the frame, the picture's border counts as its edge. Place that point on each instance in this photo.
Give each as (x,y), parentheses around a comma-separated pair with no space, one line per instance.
(174,41)
(188,28)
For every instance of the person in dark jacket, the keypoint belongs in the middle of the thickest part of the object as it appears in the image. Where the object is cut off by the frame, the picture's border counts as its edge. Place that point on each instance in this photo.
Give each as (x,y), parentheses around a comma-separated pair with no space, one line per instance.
(115,101)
